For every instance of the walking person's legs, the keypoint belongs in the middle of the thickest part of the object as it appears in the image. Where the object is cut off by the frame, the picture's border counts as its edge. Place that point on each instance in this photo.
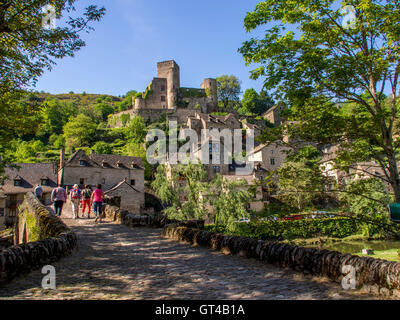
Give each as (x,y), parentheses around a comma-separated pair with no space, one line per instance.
(100,210)
(86,203)
(61,207)
(97,206)
(75,207)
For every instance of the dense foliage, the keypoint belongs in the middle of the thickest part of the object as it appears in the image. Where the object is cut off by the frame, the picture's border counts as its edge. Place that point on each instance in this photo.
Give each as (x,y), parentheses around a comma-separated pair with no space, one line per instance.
(254,103)
(278,230)
(189,195)
(27,50)
(334,77)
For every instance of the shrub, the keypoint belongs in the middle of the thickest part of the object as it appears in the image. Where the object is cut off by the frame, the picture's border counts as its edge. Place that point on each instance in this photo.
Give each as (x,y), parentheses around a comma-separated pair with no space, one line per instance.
(277,230)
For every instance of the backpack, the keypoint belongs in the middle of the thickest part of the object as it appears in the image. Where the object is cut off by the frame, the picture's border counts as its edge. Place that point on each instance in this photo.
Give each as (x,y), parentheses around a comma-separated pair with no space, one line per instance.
(75,194)
(86,194)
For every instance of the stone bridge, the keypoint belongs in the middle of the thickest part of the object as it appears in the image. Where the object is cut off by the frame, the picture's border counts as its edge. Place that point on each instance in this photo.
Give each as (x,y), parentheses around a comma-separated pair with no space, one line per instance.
(116,262)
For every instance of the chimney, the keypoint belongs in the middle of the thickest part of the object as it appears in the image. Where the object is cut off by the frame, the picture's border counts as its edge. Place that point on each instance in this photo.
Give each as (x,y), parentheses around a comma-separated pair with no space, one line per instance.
(62,156)
(60,176)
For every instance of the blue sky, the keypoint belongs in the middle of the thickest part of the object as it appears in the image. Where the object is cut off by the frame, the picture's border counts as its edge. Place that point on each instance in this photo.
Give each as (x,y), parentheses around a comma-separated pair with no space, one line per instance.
(121,54)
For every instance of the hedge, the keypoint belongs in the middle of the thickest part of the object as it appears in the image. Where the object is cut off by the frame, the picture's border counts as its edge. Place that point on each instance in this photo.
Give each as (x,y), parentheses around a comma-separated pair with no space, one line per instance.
(277,230)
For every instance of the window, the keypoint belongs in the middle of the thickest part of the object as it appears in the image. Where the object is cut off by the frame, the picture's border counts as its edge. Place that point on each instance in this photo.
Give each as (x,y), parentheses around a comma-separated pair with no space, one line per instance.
(162,88)
(1,212)
(216,169)
(44,182)
(103,181)
(272,161)
(163,98)
(133,182)
(82,162)
(272,151)
(81,181)
(17,183)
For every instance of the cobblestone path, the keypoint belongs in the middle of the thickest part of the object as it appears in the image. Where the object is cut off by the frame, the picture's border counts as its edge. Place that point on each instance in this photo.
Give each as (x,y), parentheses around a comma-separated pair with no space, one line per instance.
(116,262)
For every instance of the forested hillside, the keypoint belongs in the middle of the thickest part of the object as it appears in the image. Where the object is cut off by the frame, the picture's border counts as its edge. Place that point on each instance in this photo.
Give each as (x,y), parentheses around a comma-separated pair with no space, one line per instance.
(74,121)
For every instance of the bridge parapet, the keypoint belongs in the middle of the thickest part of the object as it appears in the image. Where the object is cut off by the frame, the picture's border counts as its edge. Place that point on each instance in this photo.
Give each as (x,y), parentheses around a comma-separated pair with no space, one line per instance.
(374,276)
(40,239)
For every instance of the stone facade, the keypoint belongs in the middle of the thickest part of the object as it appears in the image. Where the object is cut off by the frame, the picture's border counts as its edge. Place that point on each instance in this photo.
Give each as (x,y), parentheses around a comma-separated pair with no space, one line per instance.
(165,94)
(131,199)
(273,115)
(113,172)
(21,178)
(271,157)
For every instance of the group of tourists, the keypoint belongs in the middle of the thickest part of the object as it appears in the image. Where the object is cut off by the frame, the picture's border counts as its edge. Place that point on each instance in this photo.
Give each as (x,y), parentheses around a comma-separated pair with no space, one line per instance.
(79,198)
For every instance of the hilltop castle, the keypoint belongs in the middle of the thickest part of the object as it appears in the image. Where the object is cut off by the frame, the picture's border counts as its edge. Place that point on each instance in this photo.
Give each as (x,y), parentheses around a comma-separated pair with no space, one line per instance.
(165,95)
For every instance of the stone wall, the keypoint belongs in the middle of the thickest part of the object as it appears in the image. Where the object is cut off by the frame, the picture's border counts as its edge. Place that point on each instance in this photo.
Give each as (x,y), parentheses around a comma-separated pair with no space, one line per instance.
(372,275)
(54,241)
(113,213)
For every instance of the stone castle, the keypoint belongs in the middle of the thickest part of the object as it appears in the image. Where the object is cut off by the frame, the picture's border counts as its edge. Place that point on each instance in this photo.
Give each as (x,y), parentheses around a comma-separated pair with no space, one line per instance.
(165,95)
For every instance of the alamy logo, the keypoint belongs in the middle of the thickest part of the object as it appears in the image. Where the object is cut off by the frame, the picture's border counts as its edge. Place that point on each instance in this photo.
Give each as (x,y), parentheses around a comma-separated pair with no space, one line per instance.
(349,280)
(49,18)
(213,147)
(49,280)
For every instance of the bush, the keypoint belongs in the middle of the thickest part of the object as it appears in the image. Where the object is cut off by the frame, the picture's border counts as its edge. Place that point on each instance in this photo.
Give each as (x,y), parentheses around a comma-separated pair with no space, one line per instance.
(277,230)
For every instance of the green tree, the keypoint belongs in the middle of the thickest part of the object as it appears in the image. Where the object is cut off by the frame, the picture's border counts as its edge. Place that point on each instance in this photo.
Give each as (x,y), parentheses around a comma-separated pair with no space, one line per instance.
(28,48)
(127,102)
(254,103)
(325,65)
(102,147)
(54,115)
(136,130)
(230,200)
(367,200)
(229,89)
(300,178)
(249,102)
(79,131)
(135,149)
(181,189)
(103,110)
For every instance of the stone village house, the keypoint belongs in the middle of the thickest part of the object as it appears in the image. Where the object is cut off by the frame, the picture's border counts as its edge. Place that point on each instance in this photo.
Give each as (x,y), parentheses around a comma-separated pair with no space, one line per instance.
(120,176)
(20,179)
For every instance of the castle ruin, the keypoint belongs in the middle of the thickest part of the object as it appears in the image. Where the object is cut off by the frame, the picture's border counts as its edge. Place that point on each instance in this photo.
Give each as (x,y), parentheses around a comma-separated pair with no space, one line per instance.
(165,95)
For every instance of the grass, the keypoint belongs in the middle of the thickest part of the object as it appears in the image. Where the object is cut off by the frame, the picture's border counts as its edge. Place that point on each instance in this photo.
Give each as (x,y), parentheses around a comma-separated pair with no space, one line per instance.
(390,255)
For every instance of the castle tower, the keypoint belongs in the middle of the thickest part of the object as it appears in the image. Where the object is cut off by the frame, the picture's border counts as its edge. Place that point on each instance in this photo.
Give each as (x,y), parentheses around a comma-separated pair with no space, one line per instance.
(210,85)
(170,71)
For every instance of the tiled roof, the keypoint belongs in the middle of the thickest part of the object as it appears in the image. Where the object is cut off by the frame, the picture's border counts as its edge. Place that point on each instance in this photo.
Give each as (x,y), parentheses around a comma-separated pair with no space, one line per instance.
(105,160)
(118,185)
(79,156)
(112,161)
(30,175)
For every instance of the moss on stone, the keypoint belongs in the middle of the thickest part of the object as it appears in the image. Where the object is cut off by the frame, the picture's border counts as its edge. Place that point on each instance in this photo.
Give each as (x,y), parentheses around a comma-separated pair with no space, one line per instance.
(192,93)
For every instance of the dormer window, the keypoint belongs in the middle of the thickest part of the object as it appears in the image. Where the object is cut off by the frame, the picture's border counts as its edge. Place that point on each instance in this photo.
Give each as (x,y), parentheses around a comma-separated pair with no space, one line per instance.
(82,163)
(17,182)
(44,182)
(119,164)
(104,164)
(133,165)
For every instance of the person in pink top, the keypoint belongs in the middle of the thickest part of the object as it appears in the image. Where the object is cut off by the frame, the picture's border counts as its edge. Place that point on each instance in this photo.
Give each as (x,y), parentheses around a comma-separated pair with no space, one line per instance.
(97,200)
